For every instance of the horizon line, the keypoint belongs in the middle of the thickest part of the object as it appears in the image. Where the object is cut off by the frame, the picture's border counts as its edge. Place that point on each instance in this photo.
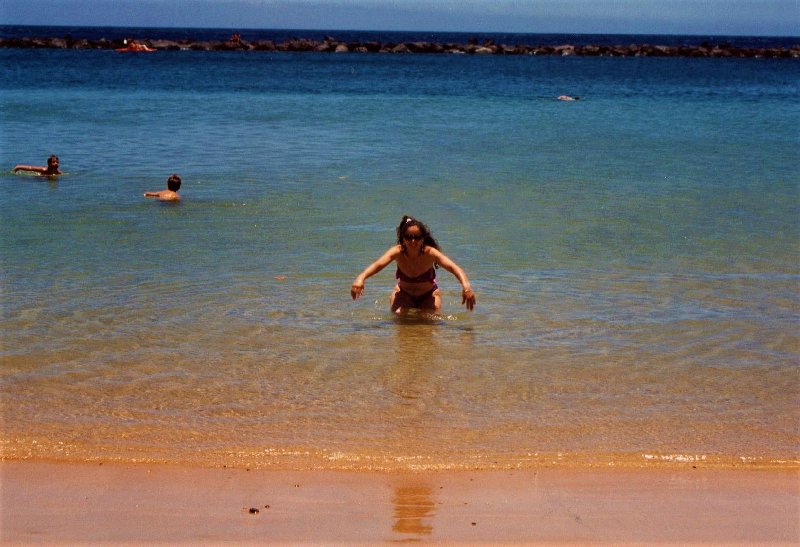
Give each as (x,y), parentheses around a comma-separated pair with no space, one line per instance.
(401,31)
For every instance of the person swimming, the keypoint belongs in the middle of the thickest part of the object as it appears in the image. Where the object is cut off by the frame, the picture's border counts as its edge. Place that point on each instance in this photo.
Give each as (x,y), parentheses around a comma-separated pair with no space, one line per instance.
(49,171)
(171,193)
(417,256)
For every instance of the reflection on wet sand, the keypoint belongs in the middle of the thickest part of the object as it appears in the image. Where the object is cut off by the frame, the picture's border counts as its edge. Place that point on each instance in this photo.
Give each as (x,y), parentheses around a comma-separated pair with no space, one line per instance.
(410,380)
(413,511)
(416,353)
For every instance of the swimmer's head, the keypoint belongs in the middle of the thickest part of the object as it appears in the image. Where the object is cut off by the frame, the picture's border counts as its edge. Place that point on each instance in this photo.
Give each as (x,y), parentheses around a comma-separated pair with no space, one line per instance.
(52,161)
(174,182)
(406,223)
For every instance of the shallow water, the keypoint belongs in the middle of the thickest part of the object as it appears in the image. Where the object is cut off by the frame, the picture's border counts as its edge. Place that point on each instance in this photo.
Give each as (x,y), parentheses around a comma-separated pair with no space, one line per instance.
(634,255)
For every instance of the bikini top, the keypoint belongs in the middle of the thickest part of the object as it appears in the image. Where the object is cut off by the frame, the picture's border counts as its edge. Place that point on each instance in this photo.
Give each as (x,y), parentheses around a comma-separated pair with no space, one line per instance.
(429,276)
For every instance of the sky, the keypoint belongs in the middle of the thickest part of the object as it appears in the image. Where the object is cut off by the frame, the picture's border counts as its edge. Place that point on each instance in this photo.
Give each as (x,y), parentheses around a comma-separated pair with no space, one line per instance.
(709,17)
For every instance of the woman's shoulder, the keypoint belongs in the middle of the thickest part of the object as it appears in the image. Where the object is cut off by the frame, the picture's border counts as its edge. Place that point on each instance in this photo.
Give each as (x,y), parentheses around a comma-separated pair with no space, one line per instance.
(394,251)
(432,251)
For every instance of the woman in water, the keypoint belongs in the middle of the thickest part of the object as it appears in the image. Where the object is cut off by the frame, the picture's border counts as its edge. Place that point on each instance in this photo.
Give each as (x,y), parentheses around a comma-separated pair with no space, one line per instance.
(417,255)
(49,171)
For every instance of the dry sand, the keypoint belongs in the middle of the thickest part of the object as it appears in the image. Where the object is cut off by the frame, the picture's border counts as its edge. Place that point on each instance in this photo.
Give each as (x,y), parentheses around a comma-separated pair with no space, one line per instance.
(57,503)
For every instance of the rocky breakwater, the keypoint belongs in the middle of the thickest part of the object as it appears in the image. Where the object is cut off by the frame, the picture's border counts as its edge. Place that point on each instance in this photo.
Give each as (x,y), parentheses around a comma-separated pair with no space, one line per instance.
(472,47)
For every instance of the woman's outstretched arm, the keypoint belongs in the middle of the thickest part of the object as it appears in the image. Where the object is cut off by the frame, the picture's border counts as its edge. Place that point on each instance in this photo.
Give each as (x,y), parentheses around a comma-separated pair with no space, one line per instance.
(467,294)
(357,289)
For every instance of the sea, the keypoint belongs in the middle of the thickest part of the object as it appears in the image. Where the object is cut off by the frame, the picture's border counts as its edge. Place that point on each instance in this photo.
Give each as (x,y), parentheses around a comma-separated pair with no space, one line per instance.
(634,254)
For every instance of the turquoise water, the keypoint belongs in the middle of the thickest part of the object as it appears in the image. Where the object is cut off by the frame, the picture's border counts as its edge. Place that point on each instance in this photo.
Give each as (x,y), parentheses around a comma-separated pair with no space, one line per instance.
(634,253)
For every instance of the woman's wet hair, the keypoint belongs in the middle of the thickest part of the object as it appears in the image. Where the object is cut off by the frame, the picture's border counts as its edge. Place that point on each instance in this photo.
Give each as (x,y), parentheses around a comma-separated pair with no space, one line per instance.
(408,222)
(174,182)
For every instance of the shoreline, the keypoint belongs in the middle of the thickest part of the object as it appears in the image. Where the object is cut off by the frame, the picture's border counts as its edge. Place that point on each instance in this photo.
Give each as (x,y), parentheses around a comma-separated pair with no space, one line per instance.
(80,503)
(472,47)
(16,448)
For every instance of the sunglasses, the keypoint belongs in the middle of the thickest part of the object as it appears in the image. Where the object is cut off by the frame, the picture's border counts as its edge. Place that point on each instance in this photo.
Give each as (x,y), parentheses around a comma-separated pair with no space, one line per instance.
(412,237)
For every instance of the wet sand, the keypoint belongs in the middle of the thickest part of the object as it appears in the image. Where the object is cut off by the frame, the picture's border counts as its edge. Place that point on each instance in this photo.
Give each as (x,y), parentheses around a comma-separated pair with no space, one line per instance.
(93,503)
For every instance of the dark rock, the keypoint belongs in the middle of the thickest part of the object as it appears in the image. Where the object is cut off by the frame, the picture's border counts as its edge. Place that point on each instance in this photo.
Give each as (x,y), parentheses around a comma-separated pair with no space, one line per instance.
(301,44)
(589,50)
(372,47)
(331,44)
(419,47)
(564,50)
(264,45)
(167,45)
(82,44)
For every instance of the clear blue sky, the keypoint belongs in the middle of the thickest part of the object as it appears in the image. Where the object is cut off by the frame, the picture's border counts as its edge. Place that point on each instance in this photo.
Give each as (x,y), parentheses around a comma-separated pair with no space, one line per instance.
(738,17)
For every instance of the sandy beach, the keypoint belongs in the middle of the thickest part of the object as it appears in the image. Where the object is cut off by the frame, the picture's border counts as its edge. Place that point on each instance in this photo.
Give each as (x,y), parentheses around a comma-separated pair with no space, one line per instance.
(58,503)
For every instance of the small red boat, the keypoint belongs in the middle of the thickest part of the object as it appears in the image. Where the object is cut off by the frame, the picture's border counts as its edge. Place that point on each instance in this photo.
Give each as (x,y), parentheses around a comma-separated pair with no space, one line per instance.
(135,47)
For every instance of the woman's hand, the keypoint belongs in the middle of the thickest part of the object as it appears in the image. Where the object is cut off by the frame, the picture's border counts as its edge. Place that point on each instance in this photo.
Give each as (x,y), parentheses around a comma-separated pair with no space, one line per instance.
(468,298)
(357,289)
